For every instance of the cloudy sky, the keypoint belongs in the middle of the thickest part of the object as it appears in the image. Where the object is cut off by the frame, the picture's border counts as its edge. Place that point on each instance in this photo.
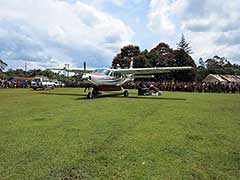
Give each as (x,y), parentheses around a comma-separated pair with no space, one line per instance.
(50,33)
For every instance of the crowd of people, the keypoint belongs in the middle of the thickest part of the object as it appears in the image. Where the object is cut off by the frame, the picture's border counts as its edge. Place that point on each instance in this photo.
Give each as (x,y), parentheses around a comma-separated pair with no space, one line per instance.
(162,86)
(4,83)
(189,86)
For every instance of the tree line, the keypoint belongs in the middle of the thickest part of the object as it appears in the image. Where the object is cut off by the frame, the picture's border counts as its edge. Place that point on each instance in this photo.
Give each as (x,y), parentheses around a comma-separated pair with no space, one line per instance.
(163,56)
(216,65)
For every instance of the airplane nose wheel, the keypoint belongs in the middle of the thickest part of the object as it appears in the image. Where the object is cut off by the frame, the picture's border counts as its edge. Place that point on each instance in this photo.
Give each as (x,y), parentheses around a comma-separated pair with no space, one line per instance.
(90,95)
(125,93)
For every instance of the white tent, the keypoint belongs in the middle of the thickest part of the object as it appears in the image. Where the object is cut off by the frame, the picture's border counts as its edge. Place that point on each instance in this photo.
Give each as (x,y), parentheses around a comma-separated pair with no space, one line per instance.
(213,78)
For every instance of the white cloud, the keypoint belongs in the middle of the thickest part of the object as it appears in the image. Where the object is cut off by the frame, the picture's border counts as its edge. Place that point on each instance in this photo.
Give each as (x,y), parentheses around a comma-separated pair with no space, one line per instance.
(212,27)
(100,4)
(162,15)
(159,17)
(40,31)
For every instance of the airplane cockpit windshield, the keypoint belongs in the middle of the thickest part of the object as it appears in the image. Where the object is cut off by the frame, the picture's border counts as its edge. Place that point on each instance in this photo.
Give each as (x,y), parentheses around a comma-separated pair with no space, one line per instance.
(102,71)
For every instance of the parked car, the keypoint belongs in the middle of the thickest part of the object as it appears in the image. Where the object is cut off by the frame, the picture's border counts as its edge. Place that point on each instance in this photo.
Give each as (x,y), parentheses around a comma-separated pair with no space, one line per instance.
(41,82)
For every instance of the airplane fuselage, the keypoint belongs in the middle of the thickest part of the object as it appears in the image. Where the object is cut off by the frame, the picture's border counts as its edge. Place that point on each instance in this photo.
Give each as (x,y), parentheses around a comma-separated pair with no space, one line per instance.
(104,80)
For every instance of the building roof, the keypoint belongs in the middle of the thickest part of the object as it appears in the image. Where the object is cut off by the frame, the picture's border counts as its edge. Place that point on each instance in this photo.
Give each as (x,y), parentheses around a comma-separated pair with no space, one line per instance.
(21,78)
(232,78)
(222,78)
(40,76)
(214,78)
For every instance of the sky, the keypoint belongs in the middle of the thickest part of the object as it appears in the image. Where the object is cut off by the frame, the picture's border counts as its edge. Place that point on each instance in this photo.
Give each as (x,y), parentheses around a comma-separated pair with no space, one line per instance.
(51,33)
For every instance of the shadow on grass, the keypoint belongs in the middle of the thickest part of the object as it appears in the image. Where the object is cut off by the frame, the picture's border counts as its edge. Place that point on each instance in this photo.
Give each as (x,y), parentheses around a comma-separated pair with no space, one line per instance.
(133,97)
(62,94)
(157,98)
(119,95)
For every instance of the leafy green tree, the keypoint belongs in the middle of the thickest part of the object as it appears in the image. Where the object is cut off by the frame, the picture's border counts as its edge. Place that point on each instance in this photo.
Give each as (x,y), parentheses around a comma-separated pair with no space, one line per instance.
(166,56)
(124,58)
(201,70)
(220,65)
(2,75)
(140,61)
(201,63)
(184,59)
(216,65)
(10,72)
(160,56)
(184,45)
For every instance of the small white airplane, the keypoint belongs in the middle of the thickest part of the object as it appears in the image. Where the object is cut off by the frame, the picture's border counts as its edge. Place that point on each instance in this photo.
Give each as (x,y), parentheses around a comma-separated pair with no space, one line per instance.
(108,79)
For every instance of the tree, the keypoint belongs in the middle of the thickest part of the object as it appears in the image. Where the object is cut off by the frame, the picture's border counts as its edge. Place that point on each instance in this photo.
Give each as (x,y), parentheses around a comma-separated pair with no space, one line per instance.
(166,56)
(3,65)
(141,61)
(201,70)
(161,55)
(184,45)
(216,65)
(184,59)
(201,63)
(2,75)
(126,55)
(220,65)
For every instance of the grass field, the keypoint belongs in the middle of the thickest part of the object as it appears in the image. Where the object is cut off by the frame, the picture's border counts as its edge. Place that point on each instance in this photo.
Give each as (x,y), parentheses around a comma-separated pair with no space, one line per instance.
(62,135)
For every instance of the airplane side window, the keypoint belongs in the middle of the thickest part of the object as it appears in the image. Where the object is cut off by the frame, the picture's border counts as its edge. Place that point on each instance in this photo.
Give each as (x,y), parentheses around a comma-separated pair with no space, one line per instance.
(118,74)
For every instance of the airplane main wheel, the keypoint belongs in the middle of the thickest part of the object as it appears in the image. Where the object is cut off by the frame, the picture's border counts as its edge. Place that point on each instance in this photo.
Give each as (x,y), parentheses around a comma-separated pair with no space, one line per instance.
(125,93)
(95,93)
(90,95)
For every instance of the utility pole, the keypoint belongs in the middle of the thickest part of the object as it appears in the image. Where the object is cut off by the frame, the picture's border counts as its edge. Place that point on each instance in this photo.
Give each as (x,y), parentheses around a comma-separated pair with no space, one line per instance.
(25,68)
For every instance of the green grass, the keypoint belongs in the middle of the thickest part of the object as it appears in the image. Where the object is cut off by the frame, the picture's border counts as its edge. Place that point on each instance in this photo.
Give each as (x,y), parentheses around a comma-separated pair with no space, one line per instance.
(62,135)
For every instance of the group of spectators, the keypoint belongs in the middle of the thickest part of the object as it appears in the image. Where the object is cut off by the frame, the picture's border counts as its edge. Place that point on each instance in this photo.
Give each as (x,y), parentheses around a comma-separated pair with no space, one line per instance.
(216,87)
(14,84)
(190,86)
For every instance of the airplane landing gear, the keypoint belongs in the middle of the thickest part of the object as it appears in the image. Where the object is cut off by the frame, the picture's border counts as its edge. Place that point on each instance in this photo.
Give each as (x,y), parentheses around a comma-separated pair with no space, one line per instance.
(92,94)
(125,93)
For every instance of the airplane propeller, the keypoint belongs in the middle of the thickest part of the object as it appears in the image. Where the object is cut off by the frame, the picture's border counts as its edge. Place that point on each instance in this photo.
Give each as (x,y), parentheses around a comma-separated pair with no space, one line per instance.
(84,66)
(84,70)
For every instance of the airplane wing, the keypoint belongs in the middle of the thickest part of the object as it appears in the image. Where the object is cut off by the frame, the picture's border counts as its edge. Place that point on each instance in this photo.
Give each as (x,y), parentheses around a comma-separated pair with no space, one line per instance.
(154,70)
(76,70)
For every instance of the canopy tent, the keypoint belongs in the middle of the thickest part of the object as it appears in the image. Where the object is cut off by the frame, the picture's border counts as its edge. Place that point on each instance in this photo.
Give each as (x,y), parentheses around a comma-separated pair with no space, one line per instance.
(213,78)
